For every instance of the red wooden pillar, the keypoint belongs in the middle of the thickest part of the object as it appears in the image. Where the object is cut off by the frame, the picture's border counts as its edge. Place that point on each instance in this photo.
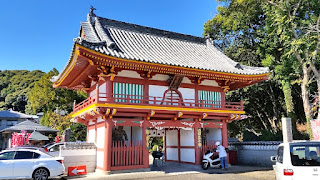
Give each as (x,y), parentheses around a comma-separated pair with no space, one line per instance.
(145,152)
(87,133)
(109,89)
(146,90)
(223,100)
(196,93)
(107,145)
(224,132)
(196,140)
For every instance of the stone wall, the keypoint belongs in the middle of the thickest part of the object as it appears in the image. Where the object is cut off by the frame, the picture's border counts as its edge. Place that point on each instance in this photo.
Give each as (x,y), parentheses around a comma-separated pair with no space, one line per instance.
(255,153)
(79,154)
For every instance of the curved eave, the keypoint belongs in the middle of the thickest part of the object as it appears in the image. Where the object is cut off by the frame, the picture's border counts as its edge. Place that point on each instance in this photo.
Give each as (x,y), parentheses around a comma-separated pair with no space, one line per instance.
(76,71)
(79,66)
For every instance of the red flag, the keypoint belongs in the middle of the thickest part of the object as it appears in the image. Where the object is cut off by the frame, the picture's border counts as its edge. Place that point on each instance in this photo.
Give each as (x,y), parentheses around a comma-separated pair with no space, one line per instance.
(57,139)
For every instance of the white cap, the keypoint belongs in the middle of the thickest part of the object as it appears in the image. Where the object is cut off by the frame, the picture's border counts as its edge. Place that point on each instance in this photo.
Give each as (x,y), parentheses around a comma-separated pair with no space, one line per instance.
(217,143)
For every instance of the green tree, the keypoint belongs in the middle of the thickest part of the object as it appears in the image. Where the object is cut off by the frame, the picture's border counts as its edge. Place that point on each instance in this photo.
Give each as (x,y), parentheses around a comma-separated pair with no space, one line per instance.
(44,98)
(57,104)
(296,22)
(14,88)
(241,30)
(238,29)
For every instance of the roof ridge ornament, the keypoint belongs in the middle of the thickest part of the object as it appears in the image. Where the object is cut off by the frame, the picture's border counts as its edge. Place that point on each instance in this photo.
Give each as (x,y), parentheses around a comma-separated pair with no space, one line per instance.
(81,41)
(91,11)
(91,16)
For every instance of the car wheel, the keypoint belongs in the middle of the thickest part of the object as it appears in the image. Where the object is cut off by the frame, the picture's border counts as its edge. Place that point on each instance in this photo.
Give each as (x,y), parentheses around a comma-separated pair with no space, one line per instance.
(40,174)
(205,165)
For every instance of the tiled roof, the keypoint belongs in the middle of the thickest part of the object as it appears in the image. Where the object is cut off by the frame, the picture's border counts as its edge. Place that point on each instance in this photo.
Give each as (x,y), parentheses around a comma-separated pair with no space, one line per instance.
(29,127)
(36,136)
(15,114)
(140,43)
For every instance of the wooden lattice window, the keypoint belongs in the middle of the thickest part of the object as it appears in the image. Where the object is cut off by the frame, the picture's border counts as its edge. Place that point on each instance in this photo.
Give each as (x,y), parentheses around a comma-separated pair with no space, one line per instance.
(122,92)
(209,98)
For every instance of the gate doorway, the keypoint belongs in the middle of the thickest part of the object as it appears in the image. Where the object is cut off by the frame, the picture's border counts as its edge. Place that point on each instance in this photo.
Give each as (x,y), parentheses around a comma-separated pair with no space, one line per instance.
(180,145)
(127,148)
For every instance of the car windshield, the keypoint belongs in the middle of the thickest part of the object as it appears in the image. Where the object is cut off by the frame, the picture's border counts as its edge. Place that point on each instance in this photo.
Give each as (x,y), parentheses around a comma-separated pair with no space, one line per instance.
(305,154)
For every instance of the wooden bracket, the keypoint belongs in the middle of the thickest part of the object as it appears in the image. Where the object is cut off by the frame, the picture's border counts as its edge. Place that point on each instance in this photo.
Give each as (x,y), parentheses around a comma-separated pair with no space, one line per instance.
(175,82)
(90,62)
(103,76)
(114,111)
(152,113)
(204,115)
(196,79)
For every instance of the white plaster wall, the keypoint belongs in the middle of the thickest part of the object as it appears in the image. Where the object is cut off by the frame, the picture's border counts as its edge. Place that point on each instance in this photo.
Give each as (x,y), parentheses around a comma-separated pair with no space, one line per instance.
(157,91)
(100,158)
(92,136)
(187,155)
(92,93)
(186,137)
(102,92)
(214,134)
(100,137)
(207,82)
(187,93)
(91,122)
(130,74)
(136,133)
(186,80)
(172,154)
(160,77)
(172,137)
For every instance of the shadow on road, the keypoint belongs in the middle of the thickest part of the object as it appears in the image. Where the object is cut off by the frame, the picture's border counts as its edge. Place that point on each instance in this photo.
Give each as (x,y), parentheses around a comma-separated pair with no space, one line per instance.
(172,167)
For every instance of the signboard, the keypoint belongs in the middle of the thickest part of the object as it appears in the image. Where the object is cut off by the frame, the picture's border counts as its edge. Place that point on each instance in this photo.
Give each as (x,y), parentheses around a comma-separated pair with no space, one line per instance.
(199,138)
(77,170)
(315,126)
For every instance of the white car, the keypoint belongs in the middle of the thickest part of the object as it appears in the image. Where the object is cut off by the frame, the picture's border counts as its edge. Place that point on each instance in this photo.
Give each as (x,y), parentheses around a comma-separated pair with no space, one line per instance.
(54,149)
(297,160)
(29,163)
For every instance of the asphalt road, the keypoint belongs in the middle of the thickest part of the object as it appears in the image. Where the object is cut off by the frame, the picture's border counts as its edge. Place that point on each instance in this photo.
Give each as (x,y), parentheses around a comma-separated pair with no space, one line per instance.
(254,175)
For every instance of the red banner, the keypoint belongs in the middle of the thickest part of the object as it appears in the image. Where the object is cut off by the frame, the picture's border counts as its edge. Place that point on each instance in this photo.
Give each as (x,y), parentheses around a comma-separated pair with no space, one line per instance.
(315,126)
(18,139)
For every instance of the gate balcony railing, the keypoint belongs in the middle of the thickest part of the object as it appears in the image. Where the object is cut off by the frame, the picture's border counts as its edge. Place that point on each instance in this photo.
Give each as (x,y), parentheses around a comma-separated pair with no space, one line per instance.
(157,101)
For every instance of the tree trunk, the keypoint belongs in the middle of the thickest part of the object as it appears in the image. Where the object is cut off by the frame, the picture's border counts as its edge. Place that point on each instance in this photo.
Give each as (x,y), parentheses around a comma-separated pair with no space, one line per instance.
(318,100)
(305,97)
(286,88)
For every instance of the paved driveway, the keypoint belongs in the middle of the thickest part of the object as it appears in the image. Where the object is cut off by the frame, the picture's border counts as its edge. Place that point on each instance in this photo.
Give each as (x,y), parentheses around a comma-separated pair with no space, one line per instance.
(171,170)
(254,175)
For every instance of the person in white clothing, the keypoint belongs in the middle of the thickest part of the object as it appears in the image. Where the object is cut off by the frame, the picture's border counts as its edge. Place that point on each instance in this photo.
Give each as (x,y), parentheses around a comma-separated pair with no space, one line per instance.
(222,155)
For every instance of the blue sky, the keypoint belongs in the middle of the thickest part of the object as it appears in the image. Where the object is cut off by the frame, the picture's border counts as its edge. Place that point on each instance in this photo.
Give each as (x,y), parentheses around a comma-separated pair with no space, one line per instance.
(38,34)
